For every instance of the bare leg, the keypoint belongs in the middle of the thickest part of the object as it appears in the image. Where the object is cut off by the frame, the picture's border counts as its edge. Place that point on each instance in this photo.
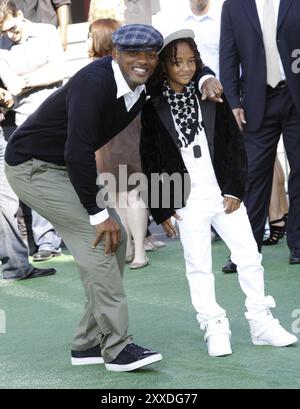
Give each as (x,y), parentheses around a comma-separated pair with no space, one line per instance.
(278,209)
(278,205)
(137,221)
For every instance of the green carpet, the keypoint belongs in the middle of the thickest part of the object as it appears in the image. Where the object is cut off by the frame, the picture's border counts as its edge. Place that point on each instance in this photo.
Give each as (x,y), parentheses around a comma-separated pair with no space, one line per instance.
(41,315)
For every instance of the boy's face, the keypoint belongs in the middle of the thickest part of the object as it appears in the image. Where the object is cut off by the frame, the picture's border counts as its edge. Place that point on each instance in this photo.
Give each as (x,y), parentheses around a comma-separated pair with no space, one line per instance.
(5,98)
(180,72)
(136,66)
(13,27)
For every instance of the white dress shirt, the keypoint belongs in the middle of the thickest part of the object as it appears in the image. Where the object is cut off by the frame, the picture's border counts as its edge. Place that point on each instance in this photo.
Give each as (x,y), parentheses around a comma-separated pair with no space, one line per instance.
(123,89)
(207,33)
(204,184)
(40,47)
(260,11)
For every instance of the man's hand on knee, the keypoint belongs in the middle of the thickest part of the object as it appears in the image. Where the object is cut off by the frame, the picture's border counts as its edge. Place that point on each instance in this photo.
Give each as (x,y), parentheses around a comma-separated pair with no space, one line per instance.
(110,230)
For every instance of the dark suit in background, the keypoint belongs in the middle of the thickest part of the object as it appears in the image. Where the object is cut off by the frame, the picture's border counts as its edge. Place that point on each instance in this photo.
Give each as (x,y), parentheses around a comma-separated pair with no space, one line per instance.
(269,111)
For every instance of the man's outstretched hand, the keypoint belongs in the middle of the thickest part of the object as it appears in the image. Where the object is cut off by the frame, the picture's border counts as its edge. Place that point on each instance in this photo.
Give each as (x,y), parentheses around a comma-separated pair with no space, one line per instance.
(212,89)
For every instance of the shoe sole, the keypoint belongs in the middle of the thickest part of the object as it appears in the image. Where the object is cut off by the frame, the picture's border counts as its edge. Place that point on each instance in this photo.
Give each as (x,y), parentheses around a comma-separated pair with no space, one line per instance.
(11,280)
(39,275)
(229,271)
(134,365)
(159,246)
(86,361)
(223,353)
(283,344)
(46,258)
(141,266)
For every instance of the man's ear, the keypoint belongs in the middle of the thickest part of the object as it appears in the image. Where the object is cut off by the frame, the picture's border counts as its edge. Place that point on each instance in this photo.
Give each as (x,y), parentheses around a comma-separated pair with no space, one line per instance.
(115,54)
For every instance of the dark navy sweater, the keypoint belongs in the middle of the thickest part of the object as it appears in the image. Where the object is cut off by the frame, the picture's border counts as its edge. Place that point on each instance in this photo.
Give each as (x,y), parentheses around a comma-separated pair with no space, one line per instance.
(72,124)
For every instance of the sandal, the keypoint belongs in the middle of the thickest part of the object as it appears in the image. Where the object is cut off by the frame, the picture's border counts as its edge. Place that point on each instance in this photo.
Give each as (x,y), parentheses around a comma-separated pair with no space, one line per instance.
(276,232)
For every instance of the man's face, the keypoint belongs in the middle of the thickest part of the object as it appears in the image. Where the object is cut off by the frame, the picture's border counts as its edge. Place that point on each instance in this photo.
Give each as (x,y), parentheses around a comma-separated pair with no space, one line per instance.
(5,97)
(13,27)
(136,66)
(199,5)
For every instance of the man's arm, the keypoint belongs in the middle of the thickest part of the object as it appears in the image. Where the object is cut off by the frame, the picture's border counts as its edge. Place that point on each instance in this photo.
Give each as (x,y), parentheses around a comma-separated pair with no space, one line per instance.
(208,85)
(12,81)
(229,60)
(63,16)
(85,101)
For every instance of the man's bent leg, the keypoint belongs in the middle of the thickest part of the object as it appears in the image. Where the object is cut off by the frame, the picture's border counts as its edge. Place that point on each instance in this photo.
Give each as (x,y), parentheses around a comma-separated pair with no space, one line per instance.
(47,189)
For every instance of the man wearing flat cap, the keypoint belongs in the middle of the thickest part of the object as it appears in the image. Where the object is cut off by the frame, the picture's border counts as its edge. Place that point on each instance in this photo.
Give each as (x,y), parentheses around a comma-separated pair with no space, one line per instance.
(50,163)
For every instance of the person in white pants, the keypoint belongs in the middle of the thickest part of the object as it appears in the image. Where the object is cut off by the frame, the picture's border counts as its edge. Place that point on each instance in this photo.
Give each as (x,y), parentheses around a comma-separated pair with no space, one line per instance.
(197,145)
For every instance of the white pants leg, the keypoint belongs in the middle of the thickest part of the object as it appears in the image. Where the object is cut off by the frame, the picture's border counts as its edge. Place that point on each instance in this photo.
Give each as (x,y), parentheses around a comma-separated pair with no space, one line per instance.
(195,238)
(235,230)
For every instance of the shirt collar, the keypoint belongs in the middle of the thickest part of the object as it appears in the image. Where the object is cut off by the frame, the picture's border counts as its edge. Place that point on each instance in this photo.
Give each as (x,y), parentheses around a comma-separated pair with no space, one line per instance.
(122,86)
(211,14)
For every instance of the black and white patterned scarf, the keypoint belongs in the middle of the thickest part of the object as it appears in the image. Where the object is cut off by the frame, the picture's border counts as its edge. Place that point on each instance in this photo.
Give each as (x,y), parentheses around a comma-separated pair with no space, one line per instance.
(184,108)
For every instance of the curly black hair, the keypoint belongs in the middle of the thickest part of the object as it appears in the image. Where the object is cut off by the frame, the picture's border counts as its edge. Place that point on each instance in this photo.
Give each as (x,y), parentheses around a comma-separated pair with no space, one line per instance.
(169,53)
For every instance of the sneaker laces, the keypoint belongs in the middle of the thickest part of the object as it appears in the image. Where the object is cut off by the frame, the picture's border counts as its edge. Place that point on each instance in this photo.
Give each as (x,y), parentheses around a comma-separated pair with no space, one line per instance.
(136,350)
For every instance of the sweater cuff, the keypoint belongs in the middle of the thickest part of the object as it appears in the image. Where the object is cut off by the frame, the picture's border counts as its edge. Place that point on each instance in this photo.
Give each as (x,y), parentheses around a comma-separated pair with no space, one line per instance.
(203,79)
(99,217)
(234,197)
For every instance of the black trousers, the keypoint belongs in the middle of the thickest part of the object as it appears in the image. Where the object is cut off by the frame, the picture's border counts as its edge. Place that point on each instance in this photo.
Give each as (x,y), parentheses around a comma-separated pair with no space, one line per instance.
(280,117)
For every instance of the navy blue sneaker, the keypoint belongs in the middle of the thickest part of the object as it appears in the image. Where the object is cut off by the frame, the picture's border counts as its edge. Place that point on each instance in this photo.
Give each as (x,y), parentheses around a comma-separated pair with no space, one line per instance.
(133,357)
(88,357)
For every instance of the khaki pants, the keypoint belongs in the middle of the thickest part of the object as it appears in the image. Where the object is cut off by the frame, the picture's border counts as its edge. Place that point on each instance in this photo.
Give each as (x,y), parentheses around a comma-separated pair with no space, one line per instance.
(47,189)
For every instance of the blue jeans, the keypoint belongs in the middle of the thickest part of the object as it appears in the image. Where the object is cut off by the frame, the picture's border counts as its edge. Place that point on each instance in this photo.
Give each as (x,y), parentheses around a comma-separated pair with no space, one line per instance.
(13,250)
(45,237)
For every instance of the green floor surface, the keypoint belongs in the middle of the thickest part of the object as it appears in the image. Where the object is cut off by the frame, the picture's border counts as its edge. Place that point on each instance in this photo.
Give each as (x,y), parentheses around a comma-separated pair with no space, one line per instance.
(41,315)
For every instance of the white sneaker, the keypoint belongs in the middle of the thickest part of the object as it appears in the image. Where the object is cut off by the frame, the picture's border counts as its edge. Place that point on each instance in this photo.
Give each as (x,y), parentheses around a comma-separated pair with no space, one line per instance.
(149,246)
(158,244)
(217,337)
(266,330)
(139,264)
